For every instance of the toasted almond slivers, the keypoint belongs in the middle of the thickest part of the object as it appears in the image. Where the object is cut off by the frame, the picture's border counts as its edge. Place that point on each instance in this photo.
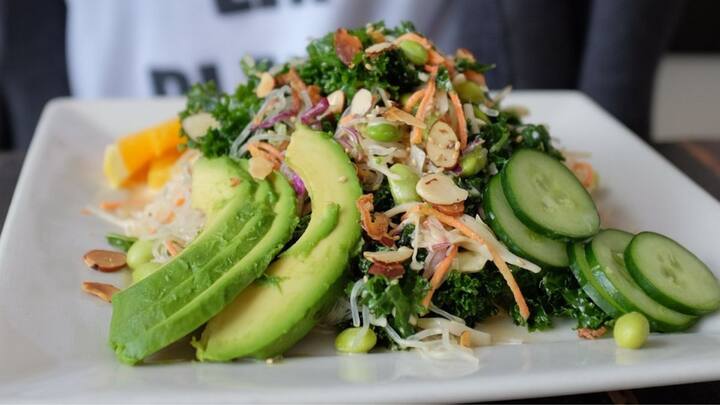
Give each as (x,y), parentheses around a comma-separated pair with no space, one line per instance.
(378,48)
(197,125)
(454,210)
(389,256)
(398,115)
(438,188)
(336,101)
(106,261)
(361,103)
(443,147)
(100,290)
(260,167)
(266,85)
(389,270)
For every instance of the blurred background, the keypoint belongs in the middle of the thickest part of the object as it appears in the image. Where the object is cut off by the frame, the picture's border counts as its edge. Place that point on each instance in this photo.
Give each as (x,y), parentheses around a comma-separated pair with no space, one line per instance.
(655,65)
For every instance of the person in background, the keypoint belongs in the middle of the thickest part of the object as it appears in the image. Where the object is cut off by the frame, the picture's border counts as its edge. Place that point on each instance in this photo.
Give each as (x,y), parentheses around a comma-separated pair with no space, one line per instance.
(608,49)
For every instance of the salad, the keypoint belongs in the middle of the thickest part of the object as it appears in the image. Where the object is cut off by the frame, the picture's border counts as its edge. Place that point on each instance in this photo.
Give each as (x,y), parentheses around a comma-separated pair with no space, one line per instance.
(377,187)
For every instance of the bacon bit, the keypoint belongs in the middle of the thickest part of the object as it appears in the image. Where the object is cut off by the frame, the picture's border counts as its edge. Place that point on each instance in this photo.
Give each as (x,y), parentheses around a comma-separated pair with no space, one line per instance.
(172,248)
(454,210)
(465,340)
(585,173)
(346,46)
(111,205)
(475,77)
(100,290)
(389,270)
(376,36)
(499,262)
(416,136)
(460,115)
(107,261)
(441,271)
(413,100)
(180,201)
(293,79)
(591,334)
(376,226)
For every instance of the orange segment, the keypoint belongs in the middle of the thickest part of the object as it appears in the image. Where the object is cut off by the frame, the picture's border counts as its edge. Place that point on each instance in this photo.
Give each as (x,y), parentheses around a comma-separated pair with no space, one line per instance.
(160,169)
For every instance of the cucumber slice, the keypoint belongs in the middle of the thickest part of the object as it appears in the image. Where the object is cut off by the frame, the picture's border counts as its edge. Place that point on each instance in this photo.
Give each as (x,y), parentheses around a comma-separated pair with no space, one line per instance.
(672,275)
(606,257)
(520,239)
(547,197)
(583,273)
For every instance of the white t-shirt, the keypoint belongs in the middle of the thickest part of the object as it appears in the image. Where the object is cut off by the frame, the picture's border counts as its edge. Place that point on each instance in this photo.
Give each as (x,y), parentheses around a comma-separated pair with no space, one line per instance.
(141,48)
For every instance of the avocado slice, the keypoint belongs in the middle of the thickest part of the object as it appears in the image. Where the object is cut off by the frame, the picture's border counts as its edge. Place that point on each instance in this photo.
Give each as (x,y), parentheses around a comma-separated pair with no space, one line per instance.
(268,318)
(242,236)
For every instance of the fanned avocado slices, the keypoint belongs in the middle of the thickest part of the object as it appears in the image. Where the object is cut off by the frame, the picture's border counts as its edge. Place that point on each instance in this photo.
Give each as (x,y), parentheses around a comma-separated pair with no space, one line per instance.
(249,223)
(268,318)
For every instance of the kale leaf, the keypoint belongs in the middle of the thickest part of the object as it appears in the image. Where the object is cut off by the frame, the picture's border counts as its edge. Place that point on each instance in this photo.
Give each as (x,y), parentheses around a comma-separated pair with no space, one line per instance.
(471,296)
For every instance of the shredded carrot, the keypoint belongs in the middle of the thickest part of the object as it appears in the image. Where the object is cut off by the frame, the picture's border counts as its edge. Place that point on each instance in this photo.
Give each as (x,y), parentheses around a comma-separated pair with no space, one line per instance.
(440,272)
(584,171)
(416,136)
(180,201)
(462,124)
(413,100)
(111,205)
(172,248)
(169,218)
(499,262)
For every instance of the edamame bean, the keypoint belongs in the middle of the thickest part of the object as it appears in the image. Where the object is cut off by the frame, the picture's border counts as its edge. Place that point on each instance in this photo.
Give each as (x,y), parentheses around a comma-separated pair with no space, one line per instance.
(472,162)
(140,252)
(403,187)
(414,52)
(355,340)
(470,92)
(383,132)
(631,330)
(144,270)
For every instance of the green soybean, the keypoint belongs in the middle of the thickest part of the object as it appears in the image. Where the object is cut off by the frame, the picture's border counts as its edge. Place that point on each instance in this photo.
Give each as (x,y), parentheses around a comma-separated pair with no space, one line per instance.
(470,92)
(631,330)
(383,132)
(355,340)
(414,52)
(472,162)
(144,270)
(140,252)
(402,187)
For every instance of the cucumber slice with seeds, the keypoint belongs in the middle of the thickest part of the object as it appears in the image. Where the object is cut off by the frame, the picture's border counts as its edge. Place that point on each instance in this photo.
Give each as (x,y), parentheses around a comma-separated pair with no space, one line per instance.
(672,275)
(547,197)
(606,257)
(520,239)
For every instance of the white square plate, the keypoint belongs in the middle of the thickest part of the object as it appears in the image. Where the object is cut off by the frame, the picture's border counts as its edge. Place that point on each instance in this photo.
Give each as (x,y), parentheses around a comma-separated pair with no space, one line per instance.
(53,336)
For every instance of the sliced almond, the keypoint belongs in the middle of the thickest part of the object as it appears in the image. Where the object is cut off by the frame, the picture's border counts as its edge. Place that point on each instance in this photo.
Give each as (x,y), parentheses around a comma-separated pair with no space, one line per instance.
(106,261)
(361,103)
(197,125)
(266,85)
(398,115)
(259,167)
(100,290)
(443,147)
(389,256)
(438,188)
(378,48)
(336,102)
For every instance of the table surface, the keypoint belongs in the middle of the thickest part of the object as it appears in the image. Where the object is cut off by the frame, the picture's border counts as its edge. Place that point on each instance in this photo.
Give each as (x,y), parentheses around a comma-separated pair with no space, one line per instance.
(699,160)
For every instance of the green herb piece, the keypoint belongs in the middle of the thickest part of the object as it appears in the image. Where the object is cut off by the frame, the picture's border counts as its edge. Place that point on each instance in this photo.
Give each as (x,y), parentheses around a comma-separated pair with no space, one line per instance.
(121,242)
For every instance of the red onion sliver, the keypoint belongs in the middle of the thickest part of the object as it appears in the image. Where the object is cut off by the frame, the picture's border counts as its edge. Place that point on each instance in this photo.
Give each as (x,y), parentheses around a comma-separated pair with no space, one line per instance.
(319,108)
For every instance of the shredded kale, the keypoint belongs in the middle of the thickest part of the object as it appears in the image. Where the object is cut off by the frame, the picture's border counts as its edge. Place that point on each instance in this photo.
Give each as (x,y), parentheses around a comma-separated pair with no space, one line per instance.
(464,64)
(121,242)
(398,300)
(382,198)
(471,296)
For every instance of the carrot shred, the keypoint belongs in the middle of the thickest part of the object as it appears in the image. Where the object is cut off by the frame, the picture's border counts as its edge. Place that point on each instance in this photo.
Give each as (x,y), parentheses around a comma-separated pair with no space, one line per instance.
(584,171)
(416,136)
(413,100)
(475,77)
(172,248)
(180,201)
(441,271)
(111,205)
(499,262)
(462,124)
